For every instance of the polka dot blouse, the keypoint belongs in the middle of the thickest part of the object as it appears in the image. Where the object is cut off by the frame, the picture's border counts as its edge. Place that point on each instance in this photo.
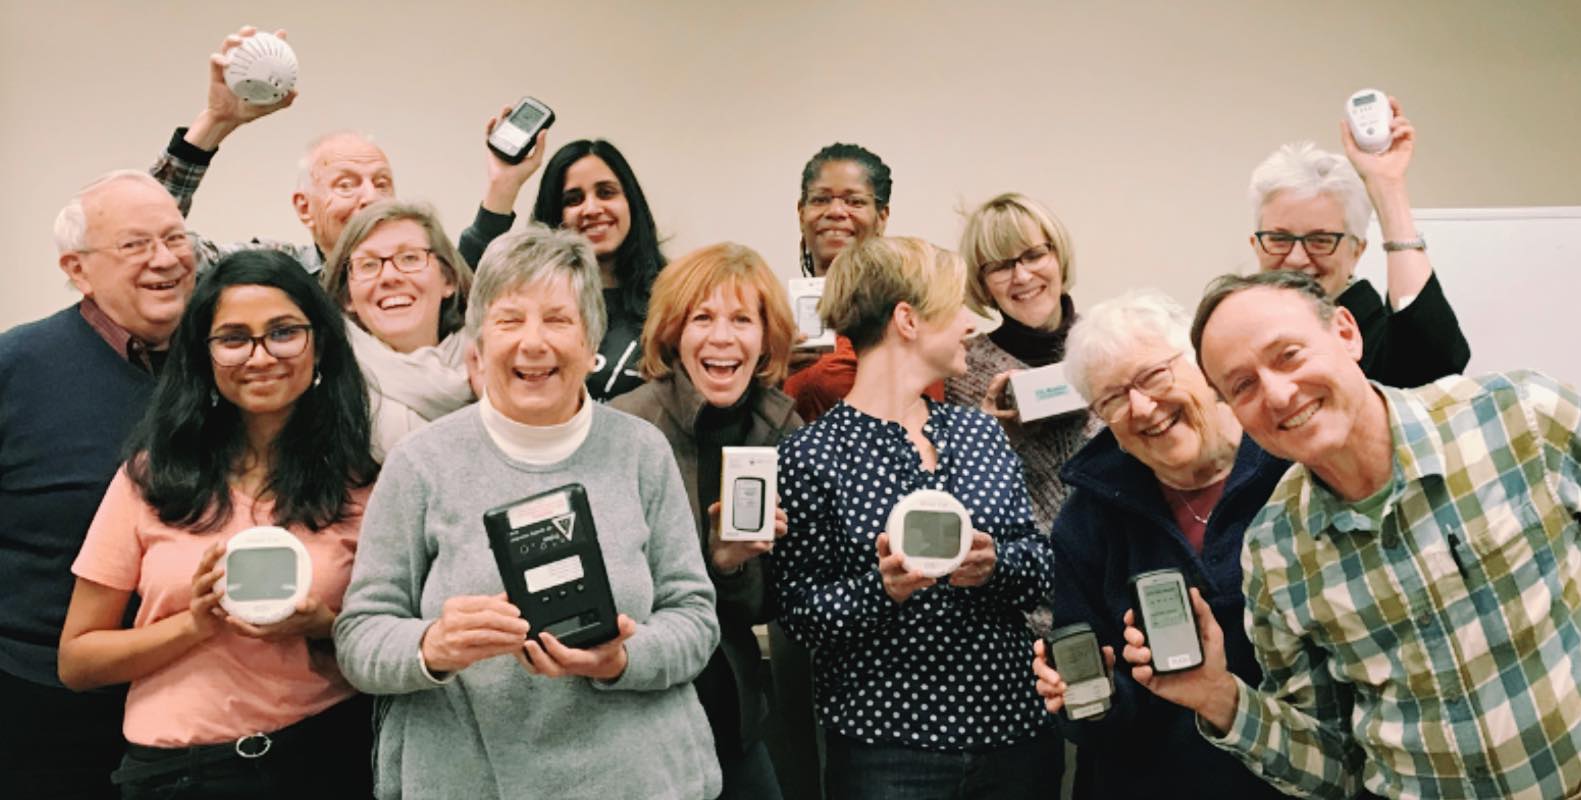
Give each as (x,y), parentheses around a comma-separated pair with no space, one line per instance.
(949,669)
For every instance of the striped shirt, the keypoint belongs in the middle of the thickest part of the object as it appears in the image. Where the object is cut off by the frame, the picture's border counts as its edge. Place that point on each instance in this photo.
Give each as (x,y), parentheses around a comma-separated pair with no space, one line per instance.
(1436,652)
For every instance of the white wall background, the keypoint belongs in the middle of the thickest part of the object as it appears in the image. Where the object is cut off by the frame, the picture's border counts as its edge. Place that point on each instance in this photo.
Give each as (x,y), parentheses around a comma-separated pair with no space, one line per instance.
(1137,122)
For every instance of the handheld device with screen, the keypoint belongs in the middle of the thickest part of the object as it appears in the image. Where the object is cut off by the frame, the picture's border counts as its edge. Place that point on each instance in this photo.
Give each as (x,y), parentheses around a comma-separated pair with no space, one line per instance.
(931,530)
(267,572)
(513,138)
(1073,651)
(1369,114)
(547,551)
(1164,614)
(746,500)
(748,490)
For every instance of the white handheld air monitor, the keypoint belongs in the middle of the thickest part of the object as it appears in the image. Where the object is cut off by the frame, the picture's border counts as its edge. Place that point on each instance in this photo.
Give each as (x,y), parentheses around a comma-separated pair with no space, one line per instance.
(267,572)
(931,530)
(262,69)
(1369,114)
(1163,612)
(1073,651)
(748,486)
(804,296)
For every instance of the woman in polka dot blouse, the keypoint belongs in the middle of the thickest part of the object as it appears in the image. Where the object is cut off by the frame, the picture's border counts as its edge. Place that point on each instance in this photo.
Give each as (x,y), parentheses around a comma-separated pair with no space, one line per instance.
(920,684)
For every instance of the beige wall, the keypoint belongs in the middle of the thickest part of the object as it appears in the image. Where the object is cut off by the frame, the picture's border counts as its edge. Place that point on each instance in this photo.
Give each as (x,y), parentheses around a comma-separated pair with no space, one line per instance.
(1137,122)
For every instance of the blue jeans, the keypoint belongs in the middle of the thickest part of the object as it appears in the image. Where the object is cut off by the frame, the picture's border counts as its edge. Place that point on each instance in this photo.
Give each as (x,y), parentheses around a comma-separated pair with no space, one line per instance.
(1029,770)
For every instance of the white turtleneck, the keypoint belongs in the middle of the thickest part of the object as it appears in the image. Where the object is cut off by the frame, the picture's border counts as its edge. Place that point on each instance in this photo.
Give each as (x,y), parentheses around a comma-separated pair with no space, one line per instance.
(537,444)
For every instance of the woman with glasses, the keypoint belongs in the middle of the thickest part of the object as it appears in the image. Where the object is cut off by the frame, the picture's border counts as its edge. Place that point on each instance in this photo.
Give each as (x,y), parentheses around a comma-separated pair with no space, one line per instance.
(1020,263)
(404,288)
(588,187)
(919,682)
(259,419)
(1311,209)
(1171,483)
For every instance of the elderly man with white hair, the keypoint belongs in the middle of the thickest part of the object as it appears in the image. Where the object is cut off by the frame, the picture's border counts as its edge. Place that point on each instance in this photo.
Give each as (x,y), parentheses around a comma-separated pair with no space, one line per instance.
(1311,209)
(1170,483)
(341,173)
(73,384)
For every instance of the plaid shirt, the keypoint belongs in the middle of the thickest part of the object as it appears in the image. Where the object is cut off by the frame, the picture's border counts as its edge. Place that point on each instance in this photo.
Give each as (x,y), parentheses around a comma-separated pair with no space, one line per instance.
(1439,653)
(180,168)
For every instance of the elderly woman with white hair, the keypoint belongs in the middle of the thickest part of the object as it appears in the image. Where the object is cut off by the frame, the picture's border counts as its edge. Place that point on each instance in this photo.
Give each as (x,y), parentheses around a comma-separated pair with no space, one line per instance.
(1311,208)
(1172,483)
(425,619)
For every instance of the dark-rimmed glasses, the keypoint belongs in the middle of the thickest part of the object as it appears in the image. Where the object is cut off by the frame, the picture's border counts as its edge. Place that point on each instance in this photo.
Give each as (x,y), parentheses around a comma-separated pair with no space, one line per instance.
(1153,380)
(1317,243)
(234,348)
(999,271)
(366,268)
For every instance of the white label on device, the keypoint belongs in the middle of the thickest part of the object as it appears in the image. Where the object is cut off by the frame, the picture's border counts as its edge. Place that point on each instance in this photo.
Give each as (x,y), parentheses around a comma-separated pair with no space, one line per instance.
(511,135)
(542,508)
(547,576)
(1179,662)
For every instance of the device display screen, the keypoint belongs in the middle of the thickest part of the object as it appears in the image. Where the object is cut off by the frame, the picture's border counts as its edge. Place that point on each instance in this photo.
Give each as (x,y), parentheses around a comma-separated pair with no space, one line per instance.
(1363,100)
(1077,659)
(932,534)
(261,573)
(1164,604)
(526,117)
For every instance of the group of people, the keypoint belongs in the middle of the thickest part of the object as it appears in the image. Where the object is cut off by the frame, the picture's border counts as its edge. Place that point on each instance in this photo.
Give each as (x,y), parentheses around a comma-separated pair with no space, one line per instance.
(1376,546)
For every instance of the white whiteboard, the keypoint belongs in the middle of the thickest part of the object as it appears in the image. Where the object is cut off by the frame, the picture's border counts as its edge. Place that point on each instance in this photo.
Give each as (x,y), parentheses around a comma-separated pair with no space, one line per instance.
(1513,276)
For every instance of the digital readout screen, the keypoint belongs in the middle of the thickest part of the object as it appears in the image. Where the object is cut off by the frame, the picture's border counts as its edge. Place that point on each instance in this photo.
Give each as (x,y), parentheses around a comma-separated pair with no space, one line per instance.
(1165,606)
(1077,659)
(526,117)
(1363,100)
(263,573)
(932,534)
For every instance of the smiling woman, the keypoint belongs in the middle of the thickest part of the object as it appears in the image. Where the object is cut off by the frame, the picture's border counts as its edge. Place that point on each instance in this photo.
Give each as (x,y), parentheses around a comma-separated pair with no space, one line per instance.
(404,288)
(589,188)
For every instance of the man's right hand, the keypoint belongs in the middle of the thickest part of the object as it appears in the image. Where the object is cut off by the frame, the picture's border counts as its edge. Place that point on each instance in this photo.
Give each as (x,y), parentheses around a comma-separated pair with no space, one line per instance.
(1210,690)
(225,112)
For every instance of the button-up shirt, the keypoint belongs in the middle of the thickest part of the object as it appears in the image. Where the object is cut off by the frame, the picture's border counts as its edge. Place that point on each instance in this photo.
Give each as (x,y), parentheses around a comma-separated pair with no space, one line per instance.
(121,340)
(1437,651)
(947,669)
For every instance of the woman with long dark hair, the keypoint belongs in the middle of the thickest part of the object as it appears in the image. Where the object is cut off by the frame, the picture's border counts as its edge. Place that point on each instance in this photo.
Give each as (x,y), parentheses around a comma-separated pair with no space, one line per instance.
(588,187)
(260,418)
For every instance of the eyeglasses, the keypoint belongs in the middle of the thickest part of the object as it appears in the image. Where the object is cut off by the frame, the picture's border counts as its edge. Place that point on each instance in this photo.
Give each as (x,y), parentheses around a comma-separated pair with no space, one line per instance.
(1151,381)
(1317,243)
(1000,271)
(234,349)
(366,268)
(142,247)
(852,202)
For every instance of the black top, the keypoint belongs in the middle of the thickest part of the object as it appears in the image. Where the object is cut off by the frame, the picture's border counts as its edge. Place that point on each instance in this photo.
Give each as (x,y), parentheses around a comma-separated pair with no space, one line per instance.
(1035,346)
(615,370)
(1413,346)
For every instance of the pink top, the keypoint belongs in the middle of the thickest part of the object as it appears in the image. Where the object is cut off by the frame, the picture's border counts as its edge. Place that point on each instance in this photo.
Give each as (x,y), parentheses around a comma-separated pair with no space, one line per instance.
(230,685)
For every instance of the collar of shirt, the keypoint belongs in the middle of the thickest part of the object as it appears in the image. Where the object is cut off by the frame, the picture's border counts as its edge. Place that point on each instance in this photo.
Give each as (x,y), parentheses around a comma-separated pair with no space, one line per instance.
(1417,455)
(119,339)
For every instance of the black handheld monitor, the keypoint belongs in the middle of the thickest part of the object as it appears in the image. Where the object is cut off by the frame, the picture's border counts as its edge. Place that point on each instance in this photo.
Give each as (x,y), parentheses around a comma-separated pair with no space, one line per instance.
(515,136)
(547,550)
(1163,613)
(1073,651)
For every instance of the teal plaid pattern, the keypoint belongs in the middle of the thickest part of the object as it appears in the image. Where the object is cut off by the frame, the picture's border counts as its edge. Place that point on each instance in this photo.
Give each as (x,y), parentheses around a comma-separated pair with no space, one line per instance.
(1438,653)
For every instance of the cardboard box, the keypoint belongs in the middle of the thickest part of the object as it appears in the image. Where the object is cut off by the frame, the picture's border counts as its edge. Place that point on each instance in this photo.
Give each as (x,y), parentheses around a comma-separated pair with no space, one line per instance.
(1043,392)
(804,296)
(748,493)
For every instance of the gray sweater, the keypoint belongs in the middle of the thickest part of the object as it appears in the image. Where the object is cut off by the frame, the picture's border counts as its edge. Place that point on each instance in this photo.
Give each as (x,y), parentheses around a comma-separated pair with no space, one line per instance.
(495,730)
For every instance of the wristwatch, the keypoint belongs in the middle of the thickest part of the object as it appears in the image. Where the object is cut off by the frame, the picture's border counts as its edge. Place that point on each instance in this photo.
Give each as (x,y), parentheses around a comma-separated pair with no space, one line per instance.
(1411,244)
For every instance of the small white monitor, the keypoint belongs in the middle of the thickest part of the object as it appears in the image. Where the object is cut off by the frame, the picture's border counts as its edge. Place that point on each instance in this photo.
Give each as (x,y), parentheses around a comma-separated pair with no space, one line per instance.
(267,573)
(931,530)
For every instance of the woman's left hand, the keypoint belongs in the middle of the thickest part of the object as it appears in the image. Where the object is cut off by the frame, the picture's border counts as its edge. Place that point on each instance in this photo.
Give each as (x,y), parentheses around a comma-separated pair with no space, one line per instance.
(604,662)
(312,620)
(978,566)
(727,557)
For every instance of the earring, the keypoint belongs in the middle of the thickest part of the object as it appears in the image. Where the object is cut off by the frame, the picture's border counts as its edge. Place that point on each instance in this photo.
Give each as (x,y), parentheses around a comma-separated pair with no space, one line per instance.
(318,377)
(214,398)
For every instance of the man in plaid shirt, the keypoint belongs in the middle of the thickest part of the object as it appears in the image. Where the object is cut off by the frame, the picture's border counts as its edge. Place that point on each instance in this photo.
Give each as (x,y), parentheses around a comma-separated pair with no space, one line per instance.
(1413,583)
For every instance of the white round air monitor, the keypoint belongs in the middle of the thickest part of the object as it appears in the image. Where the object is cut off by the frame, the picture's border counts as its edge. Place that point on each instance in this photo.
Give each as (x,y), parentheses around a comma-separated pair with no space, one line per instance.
(267,572)
(931,530)
(262,69)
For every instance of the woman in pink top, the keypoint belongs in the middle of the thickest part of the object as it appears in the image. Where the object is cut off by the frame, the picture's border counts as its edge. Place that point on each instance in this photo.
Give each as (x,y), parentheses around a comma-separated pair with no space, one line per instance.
(260,418)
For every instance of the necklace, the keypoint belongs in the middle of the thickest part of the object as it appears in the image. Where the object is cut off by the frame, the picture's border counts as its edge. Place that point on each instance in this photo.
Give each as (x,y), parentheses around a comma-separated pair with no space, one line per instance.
(1189,509)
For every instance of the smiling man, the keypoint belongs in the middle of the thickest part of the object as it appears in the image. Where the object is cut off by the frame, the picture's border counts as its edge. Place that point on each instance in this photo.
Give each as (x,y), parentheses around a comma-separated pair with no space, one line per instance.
(1413,584)
(73,385)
